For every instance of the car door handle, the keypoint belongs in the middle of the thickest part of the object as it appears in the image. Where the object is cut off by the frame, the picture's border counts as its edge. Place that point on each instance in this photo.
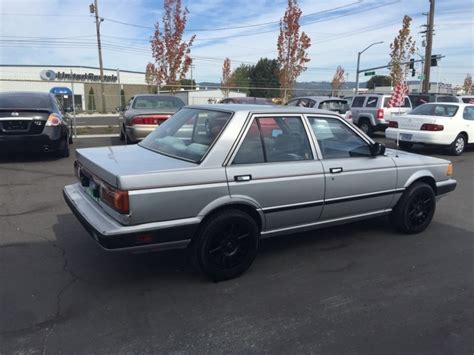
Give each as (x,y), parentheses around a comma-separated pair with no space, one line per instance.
(336,170)
(242,178)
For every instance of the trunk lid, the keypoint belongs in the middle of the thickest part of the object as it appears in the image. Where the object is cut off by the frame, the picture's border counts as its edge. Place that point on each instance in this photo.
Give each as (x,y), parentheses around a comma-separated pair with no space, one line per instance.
(129,167)
(23,121)
(414,122)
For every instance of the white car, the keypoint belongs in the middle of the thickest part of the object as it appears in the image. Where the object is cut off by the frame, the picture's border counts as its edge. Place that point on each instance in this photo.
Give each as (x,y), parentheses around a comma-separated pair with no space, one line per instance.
(445,124)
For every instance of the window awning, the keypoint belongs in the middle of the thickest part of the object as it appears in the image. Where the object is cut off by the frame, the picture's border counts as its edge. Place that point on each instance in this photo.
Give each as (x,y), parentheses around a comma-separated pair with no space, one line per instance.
(61,91)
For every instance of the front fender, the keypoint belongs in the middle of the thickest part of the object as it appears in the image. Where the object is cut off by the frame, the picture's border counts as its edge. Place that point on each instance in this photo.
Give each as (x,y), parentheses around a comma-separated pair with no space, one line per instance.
(418,175)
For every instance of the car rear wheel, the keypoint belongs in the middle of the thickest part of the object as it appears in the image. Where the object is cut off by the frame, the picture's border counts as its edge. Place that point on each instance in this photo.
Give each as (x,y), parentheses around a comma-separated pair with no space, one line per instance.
(226,245)
(63,148)
(366,127)
(415,210)
(459,144)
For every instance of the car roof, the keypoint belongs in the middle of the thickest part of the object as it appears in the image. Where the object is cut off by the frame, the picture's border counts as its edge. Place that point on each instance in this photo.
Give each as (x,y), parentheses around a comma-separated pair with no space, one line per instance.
(25,93)
(317,98)
(277,109)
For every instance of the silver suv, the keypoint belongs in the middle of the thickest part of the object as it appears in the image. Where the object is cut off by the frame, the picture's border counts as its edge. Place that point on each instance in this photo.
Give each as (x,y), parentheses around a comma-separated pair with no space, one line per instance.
(371,112)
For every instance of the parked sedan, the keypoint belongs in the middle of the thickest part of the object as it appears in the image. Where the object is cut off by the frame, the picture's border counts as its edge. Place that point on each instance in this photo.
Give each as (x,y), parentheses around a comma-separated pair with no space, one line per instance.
(322,102)
(33,122)
(144,113)
(247,100)
(446,124)
(218,178)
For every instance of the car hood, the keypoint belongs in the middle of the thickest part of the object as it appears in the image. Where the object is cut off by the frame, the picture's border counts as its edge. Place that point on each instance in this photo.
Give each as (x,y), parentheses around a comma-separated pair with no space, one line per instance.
(130,167)
(402,158)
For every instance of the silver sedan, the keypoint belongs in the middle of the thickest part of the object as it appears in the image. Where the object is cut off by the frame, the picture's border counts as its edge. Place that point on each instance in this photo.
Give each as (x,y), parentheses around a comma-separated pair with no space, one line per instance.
(218,178)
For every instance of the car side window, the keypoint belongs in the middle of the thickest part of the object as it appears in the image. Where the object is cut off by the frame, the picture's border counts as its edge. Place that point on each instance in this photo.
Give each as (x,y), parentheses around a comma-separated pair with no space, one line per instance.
(292,103)
(336,140)
(274,139)
(358,101)
(372,101)
(304,103)
(468,113)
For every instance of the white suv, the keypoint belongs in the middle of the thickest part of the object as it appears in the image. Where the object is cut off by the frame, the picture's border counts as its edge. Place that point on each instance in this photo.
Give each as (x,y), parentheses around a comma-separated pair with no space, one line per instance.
(371,112)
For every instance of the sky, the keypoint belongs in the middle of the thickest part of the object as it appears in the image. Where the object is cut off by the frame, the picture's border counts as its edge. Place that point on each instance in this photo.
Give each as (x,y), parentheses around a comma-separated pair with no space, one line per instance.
(62,32)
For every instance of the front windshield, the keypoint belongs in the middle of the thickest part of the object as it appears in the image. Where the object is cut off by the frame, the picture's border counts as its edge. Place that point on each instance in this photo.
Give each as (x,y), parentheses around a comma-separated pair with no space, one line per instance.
(435,110)
(188,134)
(157,102)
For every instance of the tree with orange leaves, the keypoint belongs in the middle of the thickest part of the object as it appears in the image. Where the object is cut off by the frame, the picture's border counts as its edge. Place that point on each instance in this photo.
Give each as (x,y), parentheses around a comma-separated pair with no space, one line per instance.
(401,49)
(292,46)
(227,80)
(337,80)
(171,53)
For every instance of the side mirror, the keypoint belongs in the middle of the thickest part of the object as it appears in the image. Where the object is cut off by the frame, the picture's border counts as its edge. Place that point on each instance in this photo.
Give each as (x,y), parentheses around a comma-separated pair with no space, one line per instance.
(377,149)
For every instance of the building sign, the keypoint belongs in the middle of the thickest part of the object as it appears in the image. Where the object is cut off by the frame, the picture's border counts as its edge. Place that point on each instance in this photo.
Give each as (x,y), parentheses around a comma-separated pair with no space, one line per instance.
(64,76)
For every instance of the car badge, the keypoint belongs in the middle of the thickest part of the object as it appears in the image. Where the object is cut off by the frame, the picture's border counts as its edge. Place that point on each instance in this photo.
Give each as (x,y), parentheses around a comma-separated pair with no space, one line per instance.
(15,113)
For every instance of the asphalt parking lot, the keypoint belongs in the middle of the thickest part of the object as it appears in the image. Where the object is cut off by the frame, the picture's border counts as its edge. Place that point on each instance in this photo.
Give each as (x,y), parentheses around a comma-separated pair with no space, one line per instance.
(355,289)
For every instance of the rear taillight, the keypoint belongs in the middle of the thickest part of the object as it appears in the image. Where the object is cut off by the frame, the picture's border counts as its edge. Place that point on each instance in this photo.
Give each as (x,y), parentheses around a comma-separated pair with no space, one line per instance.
(432,127)
(115,198)
(53,120)
(393,124)
(380,114)
(152,120)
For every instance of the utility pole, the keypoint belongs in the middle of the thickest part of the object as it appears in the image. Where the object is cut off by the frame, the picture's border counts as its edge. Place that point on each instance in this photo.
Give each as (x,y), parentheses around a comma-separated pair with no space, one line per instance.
(95,10)
(429,46)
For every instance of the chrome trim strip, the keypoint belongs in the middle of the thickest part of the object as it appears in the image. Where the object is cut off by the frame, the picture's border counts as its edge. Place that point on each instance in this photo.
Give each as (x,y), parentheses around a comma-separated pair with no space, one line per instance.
(320,223)
(180,244)
(293,206)
(176,188)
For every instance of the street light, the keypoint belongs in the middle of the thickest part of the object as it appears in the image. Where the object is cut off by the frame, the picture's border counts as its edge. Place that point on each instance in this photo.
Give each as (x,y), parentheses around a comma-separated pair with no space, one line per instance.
(358,62)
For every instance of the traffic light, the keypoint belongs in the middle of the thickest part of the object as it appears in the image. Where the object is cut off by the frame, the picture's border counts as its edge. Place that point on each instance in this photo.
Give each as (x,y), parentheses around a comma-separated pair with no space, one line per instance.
(434,60)
(412,63)
(413,72)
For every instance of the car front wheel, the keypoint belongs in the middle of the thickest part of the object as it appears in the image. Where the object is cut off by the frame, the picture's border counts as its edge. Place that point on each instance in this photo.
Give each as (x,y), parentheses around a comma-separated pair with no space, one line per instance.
(415,209)
(226,245)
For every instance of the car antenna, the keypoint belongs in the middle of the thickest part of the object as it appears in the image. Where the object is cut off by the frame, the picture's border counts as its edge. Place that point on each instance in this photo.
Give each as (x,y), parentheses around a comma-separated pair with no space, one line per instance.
(398,145)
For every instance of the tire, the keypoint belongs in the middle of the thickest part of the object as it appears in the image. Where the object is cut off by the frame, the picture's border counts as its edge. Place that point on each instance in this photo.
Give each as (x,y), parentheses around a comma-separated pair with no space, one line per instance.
(415,210)
(366,127)
(459,144)
(405,145)
(225,245)
(63,149)
(122,135)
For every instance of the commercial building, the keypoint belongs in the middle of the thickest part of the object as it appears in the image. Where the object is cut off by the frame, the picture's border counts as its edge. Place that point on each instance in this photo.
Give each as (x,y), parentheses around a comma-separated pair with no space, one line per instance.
(80,85)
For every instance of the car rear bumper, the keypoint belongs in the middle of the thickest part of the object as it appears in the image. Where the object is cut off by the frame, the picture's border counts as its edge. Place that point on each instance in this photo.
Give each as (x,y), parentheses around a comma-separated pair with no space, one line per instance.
(138,132)
(30,143)
(426,137)
(113,236)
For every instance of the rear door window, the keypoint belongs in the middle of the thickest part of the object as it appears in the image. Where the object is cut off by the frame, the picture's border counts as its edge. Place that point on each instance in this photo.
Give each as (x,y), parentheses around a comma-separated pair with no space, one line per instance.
(274,139)
(372,101)
(358,101)
(468,113)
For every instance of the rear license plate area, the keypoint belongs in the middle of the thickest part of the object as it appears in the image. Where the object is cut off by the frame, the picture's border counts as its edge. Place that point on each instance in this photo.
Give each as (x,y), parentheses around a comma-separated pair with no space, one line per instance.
(15,125)
(406,137)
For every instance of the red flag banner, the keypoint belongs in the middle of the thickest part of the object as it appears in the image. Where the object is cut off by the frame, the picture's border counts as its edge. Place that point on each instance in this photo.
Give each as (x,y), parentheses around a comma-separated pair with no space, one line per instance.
(398,95)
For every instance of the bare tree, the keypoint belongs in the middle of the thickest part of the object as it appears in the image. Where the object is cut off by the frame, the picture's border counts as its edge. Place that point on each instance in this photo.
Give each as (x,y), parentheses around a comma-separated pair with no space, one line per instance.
(292,46)
(227,80)
(337,80)
(401,49)
(467,86)
(171,53)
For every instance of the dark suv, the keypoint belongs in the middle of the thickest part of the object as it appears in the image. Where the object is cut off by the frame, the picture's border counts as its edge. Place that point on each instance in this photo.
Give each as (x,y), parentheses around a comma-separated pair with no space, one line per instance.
(33,121)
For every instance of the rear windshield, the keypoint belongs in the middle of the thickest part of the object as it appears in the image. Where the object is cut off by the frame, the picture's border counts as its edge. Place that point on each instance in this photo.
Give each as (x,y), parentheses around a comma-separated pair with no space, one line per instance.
(468,100)
(435,110)
(188,134)
(25,102)
(157,102)
(406,102)
(340,106)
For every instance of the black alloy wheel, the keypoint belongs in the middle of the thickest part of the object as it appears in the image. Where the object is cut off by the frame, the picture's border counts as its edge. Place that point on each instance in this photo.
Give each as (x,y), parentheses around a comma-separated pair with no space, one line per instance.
(415,209)
(226,245)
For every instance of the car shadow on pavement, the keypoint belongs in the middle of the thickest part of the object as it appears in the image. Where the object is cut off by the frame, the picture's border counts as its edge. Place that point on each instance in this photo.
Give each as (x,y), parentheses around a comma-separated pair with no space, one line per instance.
(28,157)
